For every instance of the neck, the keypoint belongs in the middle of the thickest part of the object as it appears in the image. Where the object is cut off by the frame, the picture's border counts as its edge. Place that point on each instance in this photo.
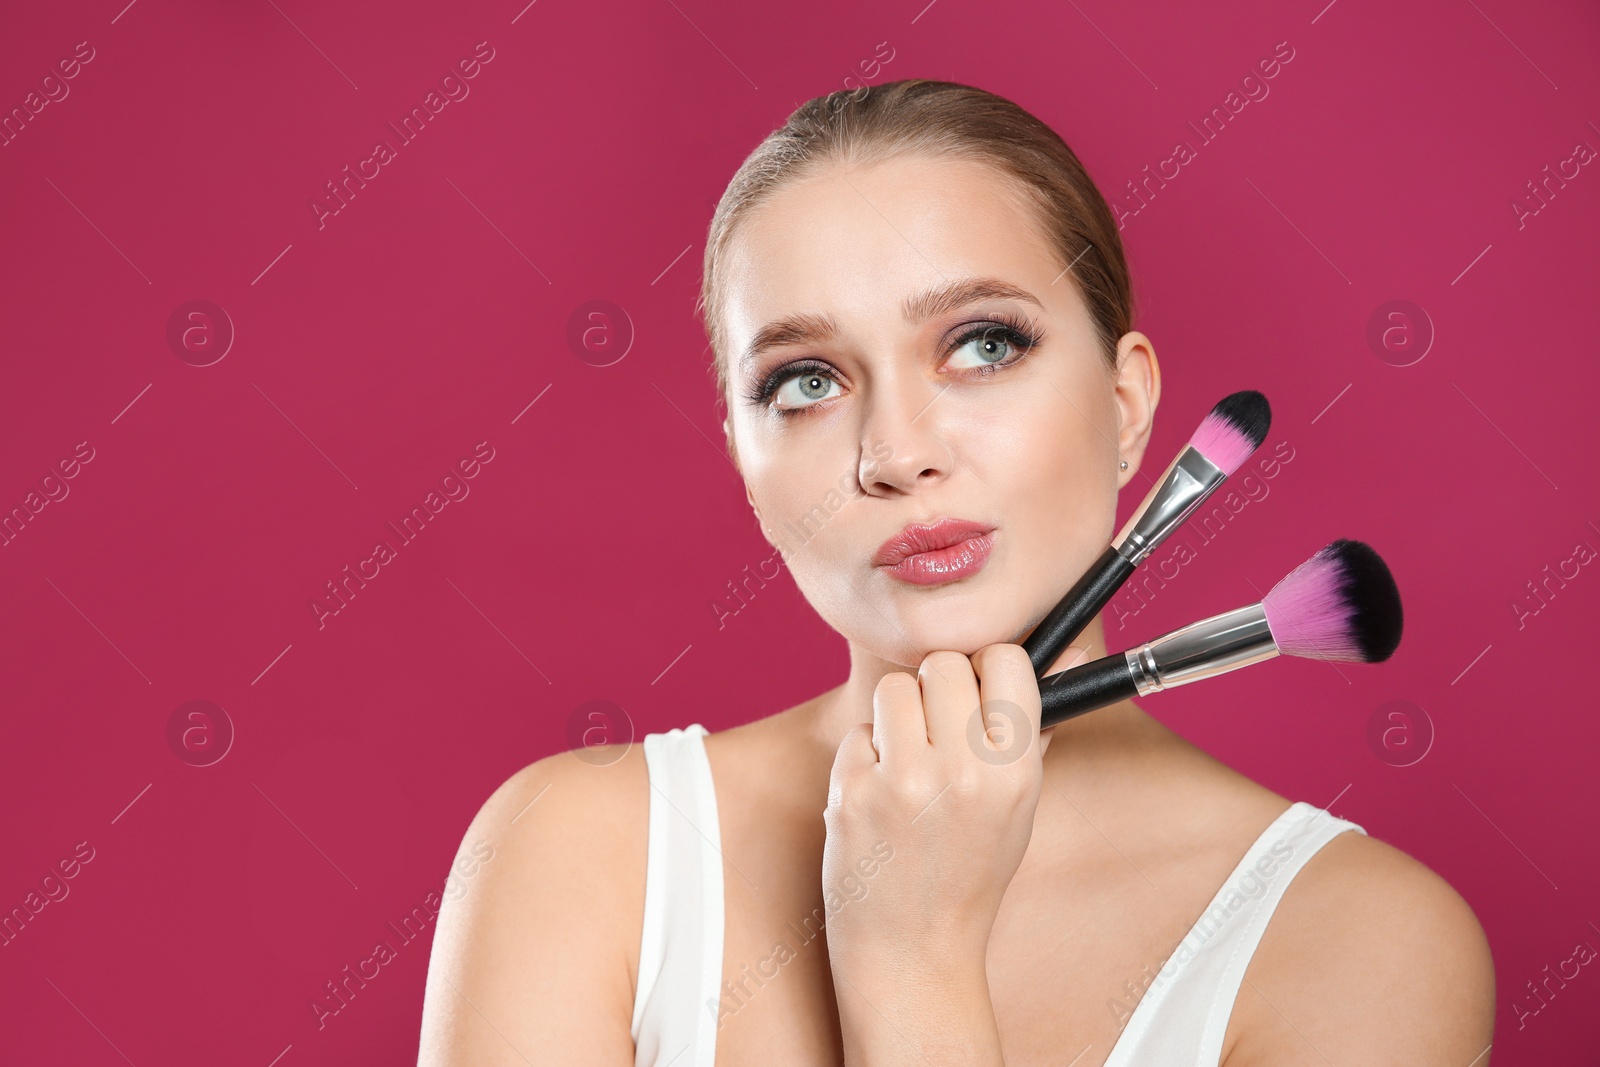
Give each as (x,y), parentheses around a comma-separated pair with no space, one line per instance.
(831,715)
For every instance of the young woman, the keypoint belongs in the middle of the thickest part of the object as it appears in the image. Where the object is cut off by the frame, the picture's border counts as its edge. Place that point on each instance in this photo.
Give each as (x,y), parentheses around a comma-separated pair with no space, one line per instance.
(921,318)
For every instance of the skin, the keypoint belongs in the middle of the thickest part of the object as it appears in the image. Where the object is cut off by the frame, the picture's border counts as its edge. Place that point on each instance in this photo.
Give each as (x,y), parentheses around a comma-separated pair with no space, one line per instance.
(1032,877)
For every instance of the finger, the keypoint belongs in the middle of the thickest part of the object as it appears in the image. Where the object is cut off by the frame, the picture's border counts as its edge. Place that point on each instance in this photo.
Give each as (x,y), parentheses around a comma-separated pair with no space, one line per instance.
(949,697)
(1009,692)
(899,729)
(855,755)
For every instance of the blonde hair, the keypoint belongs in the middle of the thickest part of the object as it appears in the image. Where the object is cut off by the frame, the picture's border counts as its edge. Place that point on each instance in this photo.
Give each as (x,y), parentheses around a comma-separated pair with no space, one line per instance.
(939,119)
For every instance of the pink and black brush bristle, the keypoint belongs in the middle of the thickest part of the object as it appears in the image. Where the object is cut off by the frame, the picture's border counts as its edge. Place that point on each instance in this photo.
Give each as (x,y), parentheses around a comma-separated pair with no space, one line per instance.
(1234,429)
(1340,604)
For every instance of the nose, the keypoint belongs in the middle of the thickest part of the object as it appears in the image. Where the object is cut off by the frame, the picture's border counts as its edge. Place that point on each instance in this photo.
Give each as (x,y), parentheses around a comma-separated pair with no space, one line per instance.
(903,443)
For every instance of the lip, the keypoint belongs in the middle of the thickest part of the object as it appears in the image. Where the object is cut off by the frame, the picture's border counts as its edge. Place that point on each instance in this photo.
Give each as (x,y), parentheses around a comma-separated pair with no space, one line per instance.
(945,551)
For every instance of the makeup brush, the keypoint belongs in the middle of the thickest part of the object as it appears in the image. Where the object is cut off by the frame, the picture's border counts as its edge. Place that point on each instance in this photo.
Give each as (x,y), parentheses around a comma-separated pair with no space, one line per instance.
(1224,440)
(1341,604)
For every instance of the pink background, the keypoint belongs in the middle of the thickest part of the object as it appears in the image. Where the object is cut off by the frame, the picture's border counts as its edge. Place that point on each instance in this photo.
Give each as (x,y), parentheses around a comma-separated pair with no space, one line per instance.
(374,353)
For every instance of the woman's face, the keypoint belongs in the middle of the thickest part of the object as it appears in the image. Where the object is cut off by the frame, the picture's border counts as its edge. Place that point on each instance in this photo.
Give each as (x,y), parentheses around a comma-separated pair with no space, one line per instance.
(874,306)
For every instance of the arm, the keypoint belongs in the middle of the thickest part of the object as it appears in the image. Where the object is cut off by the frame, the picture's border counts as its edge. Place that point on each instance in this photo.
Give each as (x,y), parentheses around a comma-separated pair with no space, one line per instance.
(1384,964)
(529,962)
(927,822)
(928,1010)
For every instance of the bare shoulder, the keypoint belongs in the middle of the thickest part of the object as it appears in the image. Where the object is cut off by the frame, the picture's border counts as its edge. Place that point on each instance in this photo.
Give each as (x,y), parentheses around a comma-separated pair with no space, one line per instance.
(535,950)
(1370,957)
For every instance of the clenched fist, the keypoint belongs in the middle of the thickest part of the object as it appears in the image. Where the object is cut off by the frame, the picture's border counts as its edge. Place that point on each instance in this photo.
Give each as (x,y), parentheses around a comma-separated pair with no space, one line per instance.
(944,781)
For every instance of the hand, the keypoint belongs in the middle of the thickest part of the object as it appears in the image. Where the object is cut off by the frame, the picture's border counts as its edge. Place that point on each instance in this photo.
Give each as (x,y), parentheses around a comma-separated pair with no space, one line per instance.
(930,810)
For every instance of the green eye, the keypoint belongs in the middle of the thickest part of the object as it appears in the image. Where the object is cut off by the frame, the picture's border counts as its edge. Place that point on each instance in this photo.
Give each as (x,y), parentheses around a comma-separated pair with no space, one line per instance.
(992,346)
(1002,342)
(989,346)
(803,389)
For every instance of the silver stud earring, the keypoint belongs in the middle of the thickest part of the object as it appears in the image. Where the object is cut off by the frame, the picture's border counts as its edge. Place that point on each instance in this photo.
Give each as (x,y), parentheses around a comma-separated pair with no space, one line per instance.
(1124,464)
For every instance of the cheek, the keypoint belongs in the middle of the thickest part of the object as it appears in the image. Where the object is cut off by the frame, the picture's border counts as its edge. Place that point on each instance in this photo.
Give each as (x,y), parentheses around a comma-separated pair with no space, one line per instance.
(1053,472)
(1075,495)
(816,520)
(828,570)
(1046,455)
(1077,468)
(805,496)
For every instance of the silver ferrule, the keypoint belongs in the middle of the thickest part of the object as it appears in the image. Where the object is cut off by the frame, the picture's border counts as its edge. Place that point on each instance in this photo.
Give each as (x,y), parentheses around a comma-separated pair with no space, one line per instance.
(1188,481)
(1203,649)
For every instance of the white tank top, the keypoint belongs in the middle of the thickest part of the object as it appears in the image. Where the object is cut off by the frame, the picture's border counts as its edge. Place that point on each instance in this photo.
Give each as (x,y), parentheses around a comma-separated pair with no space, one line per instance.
(1179,1021)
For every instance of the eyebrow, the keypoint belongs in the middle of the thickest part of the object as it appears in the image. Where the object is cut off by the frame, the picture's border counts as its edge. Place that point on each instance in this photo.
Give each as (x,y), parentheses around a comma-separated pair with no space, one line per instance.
(808,327)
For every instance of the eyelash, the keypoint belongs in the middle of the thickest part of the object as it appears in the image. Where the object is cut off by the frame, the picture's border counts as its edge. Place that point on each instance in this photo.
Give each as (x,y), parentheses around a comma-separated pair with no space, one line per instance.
(1017,332)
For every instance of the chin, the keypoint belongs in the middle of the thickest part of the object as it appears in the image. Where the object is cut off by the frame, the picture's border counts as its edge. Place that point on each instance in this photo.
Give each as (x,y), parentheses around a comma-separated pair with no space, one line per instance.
(906,622)
(965,628)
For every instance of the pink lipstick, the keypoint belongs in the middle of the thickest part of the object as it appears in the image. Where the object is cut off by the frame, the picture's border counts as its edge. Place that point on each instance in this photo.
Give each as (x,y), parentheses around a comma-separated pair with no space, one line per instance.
(946,551)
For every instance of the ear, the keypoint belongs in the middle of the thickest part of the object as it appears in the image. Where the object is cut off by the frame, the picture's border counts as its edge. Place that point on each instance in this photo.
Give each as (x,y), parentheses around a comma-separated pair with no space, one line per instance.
(1138,391)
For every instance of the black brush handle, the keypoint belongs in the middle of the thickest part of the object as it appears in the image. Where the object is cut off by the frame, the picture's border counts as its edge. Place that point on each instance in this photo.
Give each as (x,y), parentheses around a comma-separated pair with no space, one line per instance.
(1084,688)
(1082,603)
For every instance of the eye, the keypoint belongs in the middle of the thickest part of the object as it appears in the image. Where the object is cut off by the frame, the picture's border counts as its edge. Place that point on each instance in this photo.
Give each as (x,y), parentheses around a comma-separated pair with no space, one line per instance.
(987,347)
(990,345)
(802,388)
(984,349)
